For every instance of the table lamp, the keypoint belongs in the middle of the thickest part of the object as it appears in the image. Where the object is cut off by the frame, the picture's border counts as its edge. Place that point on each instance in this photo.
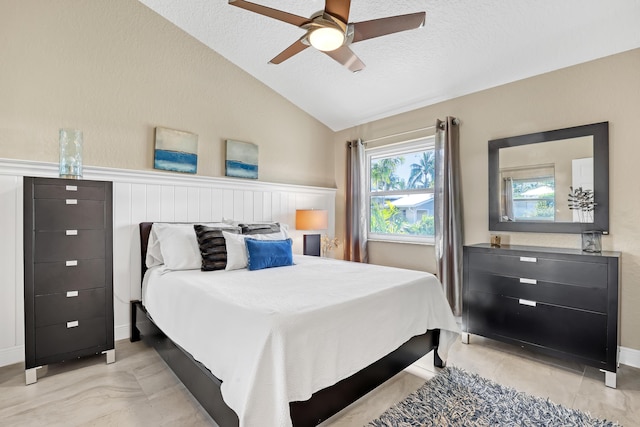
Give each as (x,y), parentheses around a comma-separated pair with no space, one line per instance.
(311,219)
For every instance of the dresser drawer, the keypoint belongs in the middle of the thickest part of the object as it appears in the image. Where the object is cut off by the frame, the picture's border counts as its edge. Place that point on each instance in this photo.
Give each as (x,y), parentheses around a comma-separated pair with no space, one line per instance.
(60,189)
(594,299)
(587,274)
(58,339)
(53,277)
(57,214)
(73,305)
(52,246)
(577,332)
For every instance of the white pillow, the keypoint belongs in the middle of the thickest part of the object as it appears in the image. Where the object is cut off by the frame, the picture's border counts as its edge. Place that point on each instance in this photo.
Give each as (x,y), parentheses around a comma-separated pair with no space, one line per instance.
(237,250)
(154,254)
(179,249)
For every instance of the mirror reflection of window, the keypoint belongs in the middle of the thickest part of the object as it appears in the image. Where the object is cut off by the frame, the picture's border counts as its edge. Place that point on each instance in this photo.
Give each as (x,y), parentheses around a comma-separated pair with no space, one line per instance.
(526,164)
(528,194)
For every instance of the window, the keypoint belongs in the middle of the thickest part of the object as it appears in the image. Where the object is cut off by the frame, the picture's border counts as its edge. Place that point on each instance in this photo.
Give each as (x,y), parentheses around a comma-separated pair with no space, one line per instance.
(528,194)
(401,191)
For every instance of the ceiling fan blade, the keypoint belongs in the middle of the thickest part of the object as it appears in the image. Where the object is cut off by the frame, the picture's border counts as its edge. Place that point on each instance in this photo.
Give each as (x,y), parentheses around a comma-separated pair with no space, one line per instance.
(271,13)
(380,27)
(346,57)
(338,8)
(295,48)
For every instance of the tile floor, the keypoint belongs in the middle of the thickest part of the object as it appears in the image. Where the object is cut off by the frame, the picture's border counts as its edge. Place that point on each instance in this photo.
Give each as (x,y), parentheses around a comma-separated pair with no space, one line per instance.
(139,390)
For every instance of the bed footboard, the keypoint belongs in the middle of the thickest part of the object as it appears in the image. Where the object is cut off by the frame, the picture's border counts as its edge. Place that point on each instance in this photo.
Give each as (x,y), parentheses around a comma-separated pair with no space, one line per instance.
(202,384)
(205,387)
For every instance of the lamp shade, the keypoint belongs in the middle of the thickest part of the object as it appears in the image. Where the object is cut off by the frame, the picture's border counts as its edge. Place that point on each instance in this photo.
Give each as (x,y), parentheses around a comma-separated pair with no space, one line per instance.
(312,219)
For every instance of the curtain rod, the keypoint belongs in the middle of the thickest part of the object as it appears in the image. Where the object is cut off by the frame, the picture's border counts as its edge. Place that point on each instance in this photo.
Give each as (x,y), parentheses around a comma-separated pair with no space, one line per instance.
(398,134)
(455,122)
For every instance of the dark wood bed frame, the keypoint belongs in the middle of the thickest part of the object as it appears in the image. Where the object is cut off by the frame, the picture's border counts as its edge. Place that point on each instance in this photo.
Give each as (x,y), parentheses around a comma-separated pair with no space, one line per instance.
(205,387)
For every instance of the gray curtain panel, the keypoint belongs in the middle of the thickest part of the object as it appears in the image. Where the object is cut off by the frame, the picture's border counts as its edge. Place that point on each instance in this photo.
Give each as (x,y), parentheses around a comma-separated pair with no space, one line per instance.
(448,207)
(355,245)
(507,202)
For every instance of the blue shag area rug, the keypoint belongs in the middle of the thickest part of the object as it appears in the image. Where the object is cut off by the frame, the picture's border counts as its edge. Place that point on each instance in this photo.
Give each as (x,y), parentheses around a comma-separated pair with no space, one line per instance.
(458,398)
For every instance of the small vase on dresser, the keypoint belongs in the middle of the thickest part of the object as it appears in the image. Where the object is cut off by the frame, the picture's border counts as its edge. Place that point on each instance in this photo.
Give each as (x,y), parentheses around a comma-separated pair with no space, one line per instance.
(68,274)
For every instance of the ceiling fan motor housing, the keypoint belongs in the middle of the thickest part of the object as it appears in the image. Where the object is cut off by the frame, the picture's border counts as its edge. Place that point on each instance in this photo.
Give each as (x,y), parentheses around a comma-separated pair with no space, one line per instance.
(325,32)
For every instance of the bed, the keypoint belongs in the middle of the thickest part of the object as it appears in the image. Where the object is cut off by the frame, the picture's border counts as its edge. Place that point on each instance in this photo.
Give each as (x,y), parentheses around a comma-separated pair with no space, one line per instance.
(267,371)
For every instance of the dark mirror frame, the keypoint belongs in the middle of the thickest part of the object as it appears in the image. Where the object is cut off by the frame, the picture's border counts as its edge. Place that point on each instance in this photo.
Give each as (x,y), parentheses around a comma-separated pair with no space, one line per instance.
(600,133)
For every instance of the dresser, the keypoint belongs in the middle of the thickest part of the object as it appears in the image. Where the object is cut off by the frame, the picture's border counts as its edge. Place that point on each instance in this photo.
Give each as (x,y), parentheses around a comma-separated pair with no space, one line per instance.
(561,302)
(68,274)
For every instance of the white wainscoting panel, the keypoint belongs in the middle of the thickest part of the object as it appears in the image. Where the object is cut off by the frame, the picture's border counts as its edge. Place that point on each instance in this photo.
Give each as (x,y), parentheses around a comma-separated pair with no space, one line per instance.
(139,197)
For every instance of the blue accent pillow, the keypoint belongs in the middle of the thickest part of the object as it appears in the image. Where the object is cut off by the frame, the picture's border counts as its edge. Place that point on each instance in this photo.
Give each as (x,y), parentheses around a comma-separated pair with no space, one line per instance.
(268,253)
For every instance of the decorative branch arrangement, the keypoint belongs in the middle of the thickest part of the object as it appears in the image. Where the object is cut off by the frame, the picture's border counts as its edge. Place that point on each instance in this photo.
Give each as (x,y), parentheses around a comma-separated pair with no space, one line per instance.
(582,201)
(328,244)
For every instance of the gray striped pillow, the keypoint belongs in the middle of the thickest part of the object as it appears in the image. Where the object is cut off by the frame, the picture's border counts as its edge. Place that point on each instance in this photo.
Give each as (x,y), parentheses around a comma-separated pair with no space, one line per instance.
(260,228)
(212,246)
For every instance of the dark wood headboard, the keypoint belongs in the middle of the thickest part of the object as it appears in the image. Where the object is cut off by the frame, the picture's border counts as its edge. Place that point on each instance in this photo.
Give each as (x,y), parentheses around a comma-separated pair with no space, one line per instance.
(145,230)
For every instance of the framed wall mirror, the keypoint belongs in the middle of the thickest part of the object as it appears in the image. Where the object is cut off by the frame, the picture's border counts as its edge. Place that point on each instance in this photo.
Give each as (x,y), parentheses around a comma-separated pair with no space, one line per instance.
(531,177)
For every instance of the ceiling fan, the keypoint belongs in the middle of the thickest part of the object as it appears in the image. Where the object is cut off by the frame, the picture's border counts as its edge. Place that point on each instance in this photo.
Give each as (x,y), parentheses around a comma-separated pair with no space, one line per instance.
(331,32)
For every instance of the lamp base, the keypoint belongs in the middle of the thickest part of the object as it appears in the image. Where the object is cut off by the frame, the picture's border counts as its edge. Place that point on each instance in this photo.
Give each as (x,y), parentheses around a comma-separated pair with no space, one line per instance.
(311,244)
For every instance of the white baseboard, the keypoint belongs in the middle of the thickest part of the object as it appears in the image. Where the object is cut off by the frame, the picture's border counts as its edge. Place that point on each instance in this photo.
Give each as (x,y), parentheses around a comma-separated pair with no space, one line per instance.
(629,357)
(122,332)
(11,355)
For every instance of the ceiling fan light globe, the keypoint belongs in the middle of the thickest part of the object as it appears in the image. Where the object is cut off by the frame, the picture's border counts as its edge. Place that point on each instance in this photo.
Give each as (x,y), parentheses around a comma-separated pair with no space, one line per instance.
(326,39)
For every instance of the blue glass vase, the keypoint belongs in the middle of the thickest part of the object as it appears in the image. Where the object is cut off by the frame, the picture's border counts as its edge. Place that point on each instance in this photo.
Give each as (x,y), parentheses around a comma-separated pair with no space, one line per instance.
(70,153)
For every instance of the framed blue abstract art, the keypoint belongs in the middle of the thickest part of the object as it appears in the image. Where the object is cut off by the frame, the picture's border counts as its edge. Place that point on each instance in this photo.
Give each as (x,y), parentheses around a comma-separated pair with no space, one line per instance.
(176,150)
(242,160)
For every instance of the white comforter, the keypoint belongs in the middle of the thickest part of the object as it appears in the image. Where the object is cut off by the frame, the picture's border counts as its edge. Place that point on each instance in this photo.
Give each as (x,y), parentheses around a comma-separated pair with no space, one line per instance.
(278,335)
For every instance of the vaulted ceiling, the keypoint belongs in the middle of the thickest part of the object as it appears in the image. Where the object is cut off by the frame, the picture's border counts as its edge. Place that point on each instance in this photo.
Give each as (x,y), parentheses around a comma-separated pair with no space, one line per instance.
(465,46)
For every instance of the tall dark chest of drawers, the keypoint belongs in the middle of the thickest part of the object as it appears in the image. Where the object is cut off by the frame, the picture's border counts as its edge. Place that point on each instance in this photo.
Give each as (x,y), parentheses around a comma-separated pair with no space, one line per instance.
(561,302)
(68,274)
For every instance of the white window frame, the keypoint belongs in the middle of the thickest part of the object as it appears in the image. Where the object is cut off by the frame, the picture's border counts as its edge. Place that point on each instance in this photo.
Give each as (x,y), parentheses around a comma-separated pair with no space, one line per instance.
(398,149)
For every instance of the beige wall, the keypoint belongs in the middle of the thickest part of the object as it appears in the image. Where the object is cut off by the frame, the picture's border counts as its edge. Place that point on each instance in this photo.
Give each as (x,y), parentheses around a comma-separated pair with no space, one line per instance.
(604,90)
(116,70)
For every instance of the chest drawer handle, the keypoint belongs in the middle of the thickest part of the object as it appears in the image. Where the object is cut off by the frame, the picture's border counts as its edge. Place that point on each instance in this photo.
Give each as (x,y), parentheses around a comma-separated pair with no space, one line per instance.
(528,281)
(527,302)
(73,324)
(72,201)
(71,188)
(71,232)
(71,263)
(71,294)
(528,259)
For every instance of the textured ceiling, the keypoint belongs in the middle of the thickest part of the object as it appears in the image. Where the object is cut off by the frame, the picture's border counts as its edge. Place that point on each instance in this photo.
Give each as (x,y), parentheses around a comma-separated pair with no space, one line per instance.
(465,46)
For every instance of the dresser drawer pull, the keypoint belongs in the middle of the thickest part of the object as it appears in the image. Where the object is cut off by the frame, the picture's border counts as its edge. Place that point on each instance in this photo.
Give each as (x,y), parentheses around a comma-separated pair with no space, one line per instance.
(71,188)
(72,201)
(71,294)
(71,232)
(528,281)
(72,324)
(527,302)
(528,259)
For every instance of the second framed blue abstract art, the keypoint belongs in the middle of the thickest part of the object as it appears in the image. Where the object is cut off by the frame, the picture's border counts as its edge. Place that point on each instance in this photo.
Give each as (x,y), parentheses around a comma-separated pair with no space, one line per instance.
(242,160)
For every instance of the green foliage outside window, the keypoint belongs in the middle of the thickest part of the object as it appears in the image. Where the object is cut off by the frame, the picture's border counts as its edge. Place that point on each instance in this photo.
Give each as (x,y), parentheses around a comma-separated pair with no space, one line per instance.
(388,219)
